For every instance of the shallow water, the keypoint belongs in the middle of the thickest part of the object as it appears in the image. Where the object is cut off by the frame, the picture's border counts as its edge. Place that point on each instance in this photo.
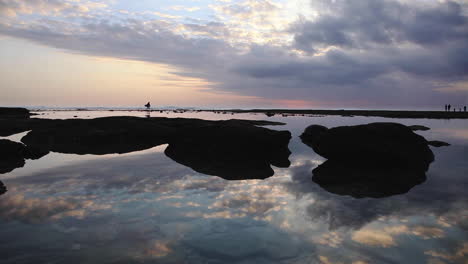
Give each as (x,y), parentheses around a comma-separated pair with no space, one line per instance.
(142,207)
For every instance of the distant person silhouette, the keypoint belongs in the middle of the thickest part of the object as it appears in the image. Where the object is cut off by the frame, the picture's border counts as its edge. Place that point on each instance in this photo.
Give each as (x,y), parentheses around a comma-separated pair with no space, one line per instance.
(449,106)
(148,105)
(446,108)
(464,108)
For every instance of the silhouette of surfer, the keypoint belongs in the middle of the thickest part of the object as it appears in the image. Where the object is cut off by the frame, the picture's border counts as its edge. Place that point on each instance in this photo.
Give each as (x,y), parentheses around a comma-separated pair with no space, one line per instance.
(148,106)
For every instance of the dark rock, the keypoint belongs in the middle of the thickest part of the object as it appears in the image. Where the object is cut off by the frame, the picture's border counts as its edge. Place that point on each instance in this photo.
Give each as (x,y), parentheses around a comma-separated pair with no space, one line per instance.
(418,127)
(11,126)
(3,188)
(312,134)
(436,143)
(98,136)
(14,112)
(361,180)
(11,155)
(232,149)
(386,144)
(34,153)
(374,160)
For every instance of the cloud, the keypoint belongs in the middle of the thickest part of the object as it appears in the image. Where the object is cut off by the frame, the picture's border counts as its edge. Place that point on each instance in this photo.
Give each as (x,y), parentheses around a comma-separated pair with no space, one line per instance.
(366,23)
(13,8)
(391,53)
(32,210)
(386,237)
(458,254)
(184,8)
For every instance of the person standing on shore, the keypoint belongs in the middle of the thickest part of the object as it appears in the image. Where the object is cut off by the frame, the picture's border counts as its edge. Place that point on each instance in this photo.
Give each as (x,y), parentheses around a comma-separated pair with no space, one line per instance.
(448,107)
(445,108)
(464,108)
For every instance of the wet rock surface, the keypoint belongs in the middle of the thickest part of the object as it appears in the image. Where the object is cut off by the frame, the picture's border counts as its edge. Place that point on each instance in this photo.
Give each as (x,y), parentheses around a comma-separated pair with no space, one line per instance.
(14,154)
(232,149)
(382,143)
(11,155)
(373,160)
(14,112)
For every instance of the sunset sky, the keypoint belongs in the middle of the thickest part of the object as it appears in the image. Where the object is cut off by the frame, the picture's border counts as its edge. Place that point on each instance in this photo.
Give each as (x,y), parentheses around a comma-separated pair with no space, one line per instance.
(386,54)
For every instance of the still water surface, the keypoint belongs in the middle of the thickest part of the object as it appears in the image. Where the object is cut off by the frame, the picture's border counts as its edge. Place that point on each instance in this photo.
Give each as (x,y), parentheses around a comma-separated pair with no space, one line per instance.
(142,207)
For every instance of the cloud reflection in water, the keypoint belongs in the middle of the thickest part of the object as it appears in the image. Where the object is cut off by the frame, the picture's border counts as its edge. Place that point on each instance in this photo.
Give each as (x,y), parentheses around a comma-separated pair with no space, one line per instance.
(146,208)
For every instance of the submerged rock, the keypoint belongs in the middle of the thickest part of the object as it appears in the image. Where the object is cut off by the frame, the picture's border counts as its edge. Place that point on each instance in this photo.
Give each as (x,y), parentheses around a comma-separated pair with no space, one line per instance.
(389,144)
(366,180)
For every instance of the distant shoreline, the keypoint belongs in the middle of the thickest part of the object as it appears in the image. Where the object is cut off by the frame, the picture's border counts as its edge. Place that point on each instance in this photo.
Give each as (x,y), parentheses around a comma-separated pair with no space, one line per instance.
(373,113)
(289,112)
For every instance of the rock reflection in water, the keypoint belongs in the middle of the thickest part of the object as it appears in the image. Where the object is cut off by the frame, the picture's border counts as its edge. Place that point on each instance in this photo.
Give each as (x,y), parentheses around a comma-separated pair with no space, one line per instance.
(365,180)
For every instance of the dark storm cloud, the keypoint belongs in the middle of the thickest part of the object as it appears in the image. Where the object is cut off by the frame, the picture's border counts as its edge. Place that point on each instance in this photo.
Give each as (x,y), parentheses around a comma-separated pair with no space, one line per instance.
(371,52)
(361,24)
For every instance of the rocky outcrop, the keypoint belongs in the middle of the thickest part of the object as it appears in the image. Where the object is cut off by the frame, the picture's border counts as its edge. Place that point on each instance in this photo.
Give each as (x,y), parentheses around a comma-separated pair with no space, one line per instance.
(98,136)
(13,155)
(381,143)
(372,160)
(232,149)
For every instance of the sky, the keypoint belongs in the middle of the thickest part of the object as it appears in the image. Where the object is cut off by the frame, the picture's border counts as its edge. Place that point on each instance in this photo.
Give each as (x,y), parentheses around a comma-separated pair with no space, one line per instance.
(386,54)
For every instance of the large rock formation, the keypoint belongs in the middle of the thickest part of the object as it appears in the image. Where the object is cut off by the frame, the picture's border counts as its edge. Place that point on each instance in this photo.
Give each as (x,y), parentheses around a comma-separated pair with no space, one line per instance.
(386,144)
(373,160)
(232,149)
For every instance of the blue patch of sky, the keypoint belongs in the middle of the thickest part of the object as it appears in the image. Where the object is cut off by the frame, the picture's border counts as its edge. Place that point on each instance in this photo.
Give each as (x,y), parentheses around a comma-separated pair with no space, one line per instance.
(167,7)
